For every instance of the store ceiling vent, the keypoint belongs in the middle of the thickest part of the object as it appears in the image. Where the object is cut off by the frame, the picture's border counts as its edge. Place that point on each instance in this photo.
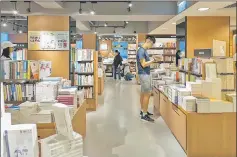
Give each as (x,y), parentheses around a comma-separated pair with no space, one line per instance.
(50,4)
(231,6)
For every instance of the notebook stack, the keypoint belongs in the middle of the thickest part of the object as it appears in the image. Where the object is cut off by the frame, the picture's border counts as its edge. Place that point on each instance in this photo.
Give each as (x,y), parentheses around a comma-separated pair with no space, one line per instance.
(189,104)
(68,97)
(211,88)
(182,92)
(195,87)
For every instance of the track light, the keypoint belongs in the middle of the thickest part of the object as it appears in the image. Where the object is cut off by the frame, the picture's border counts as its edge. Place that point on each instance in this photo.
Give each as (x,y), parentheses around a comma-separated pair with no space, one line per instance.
(92,12)
(126,22)
(114,30)
(20,31)
(105,24)
(15,10)
(29,9)
(130,4)
(129,9)
(80,10)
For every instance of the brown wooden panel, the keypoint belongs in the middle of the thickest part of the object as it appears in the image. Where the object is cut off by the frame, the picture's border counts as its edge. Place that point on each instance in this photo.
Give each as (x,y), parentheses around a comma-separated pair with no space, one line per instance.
(141,37)
(18,38)
(60,61)
(48,23)
(202,30)
(89,41)
(109,44)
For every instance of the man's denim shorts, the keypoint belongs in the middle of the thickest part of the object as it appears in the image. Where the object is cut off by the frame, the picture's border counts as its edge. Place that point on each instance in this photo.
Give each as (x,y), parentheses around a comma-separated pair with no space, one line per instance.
(145,81)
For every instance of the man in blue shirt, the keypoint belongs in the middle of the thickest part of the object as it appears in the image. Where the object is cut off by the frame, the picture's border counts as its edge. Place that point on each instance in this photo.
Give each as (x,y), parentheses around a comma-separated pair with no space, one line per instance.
(143,64)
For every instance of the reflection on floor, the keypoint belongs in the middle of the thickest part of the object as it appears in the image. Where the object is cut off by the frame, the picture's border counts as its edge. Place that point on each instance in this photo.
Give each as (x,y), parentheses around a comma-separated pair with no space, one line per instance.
(115,129)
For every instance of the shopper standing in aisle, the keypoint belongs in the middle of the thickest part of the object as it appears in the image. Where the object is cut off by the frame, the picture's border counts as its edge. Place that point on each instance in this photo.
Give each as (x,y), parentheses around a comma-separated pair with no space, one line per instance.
(116,65)
(143,63)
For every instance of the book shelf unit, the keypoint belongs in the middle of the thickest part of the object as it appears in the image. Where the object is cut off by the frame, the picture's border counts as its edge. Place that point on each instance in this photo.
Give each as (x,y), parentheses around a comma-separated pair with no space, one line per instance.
(80,70)
(17,91)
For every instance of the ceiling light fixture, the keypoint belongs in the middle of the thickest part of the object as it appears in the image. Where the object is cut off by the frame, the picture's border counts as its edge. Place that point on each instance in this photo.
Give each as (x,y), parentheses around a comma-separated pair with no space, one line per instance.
(20,31)
(95,31)
(126,22)
(80,10)
(15,10)
(92,12)
(130,4)
(105,24)
(203,9)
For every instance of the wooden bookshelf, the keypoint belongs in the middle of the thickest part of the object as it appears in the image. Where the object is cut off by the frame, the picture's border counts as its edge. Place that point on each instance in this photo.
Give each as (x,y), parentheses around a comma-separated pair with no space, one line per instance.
(91,103)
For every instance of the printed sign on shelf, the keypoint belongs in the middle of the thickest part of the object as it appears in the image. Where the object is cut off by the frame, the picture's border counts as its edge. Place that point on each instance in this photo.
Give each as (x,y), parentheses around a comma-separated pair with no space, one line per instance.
(46,40)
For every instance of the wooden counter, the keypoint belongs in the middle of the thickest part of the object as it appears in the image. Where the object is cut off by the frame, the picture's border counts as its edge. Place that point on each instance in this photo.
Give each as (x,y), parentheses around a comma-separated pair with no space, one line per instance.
(200,135)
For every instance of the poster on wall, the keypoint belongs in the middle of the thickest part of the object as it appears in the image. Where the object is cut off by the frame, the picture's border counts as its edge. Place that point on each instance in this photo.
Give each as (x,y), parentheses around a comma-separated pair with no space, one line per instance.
(46,40)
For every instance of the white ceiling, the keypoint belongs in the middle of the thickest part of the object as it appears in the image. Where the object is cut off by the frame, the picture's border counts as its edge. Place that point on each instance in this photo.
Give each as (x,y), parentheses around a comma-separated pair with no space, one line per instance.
(216,9)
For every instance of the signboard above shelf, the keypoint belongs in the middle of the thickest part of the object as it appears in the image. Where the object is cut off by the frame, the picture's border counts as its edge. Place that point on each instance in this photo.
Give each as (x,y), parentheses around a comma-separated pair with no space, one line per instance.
(48,40)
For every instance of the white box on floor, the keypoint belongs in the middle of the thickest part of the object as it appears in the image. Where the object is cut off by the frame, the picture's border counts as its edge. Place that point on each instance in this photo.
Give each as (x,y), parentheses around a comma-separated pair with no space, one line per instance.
(63,120)
(219,106)
(22,140)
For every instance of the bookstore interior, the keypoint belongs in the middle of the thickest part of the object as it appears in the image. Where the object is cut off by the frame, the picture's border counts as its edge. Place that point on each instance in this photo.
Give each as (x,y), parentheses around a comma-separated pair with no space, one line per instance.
(57,83)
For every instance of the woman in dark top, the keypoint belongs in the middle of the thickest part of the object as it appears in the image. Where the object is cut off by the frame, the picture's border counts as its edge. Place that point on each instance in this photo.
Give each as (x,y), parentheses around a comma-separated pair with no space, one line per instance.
(178,53)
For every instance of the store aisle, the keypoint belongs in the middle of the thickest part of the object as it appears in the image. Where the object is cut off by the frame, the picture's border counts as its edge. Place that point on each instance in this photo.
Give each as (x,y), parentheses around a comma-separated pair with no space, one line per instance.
(115,129)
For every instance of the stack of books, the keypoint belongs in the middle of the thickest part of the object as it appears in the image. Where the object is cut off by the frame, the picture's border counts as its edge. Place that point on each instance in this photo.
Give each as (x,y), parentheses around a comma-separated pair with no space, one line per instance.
(203,104)
(195,87)
(46,91)
(182,92)
(189,104)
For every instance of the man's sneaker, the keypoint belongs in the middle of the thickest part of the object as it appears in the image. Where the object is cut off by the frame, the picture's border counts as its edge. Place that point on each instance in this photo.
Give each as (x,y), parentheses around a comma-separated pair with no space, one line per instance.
(149,114)
(147,118)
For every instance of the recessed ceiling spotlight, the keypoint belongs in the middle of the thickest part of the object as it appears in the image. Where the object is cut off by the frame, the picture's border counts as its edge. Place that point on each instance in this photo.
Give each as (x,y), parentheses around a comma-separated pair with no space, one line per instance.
(173,23)
(95,32)
(130,4)
(203,9)
(20,31)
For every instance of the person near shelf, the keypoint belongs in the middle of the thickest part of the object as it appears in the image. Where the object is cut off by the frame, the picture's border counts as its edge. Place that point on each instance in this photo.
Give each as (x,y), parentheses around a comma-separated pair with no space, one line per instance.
(178,57)
(6,49)
(116,65)
(143,64)
(128,76)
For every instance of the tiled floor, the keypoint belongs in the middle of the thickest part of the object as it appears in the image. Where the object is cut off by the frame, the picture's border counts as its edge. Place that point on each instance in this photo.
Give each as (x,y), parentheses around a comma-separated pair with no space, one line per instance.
(115,129)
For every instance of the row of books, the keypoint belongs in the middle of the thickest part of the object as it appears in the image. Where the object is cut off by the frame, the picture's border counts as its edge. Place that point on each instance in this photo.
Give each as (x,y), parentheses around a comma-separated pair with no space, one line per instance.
(82,55)
(19,92)
(82,80)
(26,69)
(83,67)
(19,54)
(88,92)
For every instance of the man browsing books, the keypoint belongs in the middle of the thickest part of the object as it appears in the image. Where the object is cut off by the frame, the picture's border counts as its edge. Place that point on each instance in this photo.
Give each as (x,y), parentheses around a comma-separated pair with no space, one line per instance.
(143,64)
